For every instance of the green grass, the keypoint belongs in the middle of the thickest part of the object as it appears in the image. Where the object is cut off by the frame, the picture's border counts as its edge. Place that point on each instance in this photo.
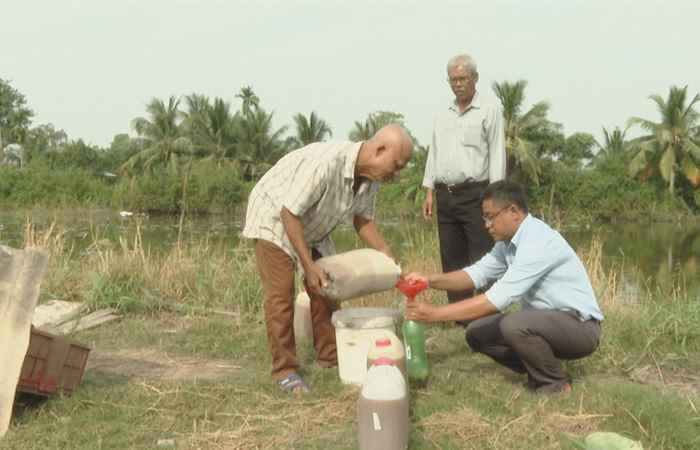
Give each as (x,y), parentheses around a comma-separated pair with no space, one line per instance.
(641,383)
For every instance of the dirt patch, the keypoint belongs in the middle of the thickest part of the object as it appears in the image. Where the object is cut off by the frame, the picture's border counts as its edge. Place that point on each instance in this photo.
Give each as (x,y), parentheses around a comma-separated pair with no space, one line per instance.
(663,377)
(147,363)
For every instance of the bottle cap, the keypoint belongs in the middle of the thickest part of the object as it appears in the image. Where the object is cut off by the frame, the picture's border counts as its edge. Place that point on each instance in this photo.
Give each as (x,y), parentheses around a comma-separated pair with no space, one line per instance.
(383,342)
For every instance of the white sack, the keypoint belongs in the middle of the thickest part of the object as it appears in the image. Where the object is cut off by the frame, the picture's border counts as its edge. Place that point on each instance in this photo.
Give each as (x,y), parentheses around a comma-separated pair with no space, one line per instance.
(20,275)
(358,272)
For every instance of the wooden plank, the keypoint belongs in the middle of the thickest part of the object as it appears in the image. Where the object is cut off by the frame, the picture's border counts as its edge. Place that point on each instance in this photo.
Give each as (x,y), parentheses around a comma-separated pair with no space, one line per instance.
(55,312)
(91,320)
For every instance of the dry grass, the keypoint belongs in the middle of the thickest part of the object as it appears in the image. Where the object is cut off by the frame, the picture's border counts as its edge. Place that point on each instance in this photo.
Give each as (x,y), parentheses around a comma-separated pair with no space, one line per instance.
(196,275)
(463,423)
(471,430)
(277,423)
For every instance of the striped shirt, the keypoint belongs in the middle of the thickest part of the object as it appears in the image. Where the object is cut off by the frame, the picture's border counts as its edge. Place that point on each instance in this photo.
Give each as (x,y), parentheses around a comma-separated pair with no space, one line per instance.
(315,184)
(538,269)
(467,145)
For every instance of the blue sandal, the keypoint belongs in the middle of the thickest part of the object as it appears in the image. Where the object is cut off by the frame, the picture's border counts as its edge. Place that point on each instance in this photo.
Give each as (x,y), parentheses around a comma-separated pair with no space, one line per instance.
(293,383)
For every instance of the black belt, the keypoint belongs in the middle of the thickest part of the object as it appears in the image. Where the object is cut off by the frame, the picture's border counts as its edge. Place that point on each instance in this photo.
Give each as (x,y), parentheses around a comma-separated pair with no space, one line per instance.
(463,186)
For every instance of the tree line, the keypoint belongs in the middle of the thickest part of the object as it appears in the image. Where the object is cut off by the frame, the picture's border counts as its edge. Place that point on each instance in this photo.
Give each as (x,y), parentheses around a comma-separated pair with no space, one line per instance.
(181,136)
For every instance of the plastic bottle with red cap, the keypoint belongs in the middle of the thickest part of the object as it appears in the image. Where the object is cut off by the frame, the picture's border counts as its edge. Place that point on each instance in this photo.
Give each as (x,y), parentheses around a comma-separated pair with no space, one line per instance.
(417,365)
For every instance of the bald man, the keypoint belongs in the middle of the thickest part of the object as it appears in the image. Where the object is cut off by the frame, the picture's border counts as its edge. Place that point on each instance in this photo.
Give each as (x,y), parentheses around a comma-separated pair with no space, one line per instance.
(291,213)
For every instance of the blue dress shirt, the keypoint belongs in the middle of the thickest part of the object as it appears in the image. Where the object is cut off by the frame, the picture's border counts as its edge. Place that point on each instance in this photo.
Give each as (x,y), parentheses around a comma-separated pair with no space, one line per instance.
(539,269)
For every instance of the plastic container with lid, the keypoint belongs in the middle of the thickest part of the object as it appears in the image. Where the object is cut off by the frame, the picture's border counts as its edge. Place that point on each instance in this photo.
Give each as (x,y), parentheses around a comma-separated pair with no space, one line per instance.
(303,330)
(355,330)
(382,409)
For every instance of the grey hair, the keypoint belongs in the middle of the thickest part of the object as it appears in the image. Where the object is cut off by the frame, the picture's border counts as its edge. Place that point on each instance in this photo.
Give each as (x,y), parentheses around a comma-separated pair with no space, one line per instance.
(463,60)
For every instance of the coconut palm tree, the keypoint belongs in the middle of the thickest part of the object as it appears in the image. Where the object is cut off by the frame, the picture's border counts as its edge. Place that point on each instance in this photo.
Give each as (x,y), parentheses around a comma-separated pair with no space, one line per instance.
(411,178)
(250,100)
(212,128)
(163,142)
(197,105)
(613,146)
(259,145)
(313,129)
(614,141)
(521,151)
(362,131)
(672,145)
(194,118)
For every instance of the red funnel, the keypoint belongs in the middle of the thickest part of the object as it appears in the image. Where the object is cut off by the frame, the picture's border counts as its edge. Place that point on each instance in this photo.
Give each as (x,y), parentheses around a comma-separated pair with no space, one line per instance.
(410,288)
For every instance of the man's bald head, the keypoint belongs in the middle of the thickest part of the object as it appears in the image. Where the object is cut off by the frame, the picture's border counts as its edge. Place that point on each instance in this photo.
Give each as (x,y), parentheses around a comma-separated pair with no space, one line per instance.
(385,154)
(396,137)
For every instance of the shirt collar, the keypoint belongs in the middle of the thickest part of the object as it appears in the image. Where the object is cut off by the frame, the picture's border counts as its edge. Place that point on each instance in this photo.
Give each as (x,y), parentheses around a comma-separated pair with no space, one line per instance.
(351,160)
(476,103)
(515,240)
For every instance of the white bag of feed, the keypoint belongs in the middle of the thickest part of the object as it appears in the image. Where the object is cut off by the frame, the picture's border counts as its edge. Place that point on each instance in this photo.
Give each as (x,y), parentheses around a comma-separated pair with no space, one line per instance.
(21,272)
(358,272)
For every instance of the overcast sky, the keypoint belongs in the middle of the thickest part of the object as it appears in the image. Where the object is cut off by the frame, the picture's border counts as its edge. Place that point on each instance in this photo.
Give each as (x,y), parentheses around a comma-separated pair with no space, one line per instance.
(90,67)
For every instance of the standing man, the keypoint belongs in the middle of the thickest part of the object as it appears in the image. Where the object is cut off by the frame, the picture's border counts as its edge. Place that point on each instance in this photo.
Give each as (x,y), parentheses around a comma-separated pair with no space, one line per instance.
(532,265)
(291,213)
(467,154)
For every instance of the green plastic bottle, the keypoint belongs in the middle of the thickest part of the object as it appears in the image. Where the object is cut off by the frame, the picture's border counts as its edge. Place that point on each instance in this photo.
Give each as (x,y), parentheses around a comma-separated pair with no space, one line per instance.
(414,336)
(416,358)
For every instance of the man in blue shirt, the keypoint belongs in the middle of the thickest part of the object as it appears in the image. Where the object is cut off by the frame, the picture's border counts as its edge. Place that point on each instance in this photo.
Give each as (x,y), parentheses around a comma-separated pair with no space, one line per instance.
(534,266)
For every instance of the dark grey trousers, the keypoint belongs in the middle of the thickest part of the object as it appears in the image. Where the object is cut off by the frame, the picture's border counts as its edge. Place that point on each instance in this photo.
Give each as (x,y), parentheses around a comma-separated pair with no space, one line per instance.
(463,237)
(533,342)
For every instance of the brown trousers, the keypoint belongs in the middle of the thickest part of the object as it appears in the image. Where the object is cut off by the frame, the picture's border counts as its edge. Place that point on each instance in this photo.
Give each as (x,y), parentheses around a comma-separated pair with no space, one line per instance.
(276,269)
(533,342)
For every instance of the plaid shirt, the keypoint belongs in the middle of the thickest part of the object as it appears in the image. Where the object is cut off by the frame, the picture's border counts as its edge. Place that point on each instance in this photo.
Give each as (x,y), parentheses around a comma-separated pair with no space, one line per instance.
(315,184)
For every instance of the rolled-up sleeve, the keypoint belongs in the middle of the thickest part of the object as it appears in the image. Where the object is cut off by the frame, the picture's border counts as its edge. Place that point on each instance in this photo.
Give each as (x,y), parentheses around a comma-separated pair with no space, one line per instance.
(497,145)
(491,266)
(304,193)
(529,267)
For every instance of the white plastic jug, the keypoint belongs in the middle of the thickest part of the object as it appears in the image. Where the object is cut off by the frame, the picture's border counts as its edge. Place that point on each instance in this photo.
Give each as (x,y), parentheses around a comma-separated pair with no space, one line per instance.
(355,330)
(390,347)
(303,330)
(382,410)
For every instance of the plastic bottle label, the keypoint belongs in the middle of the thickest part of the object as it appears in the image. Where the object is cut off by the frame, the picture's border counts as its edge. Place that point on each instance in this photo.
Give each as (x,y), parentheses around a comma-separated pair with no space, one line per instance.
(408,352)
(376,422)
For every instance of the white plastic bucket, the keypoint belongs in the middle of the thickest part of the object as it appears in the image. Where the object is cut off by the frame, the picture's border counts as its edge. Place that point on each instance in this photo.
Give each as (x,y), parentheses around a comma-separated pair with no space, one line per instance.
(355,330)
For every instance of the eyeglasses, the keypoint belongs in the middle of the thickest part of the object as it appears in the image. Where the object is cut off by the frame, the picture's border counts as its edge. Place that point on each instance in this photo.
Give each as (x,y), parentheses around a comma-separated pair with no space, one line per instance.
(457,80)
(488,221)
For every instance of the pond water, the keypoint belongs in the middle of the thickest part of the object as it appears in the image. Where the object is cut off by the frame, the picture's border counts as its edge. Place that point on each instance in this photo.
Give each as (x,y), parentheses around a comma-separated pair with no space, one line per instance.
(656,257)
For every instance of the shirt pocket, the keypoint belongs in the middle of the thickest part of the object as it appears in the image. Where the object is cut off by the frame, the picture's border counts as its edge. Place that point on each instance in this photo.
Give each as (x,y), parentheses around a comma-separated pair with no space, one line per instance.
(471,136)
